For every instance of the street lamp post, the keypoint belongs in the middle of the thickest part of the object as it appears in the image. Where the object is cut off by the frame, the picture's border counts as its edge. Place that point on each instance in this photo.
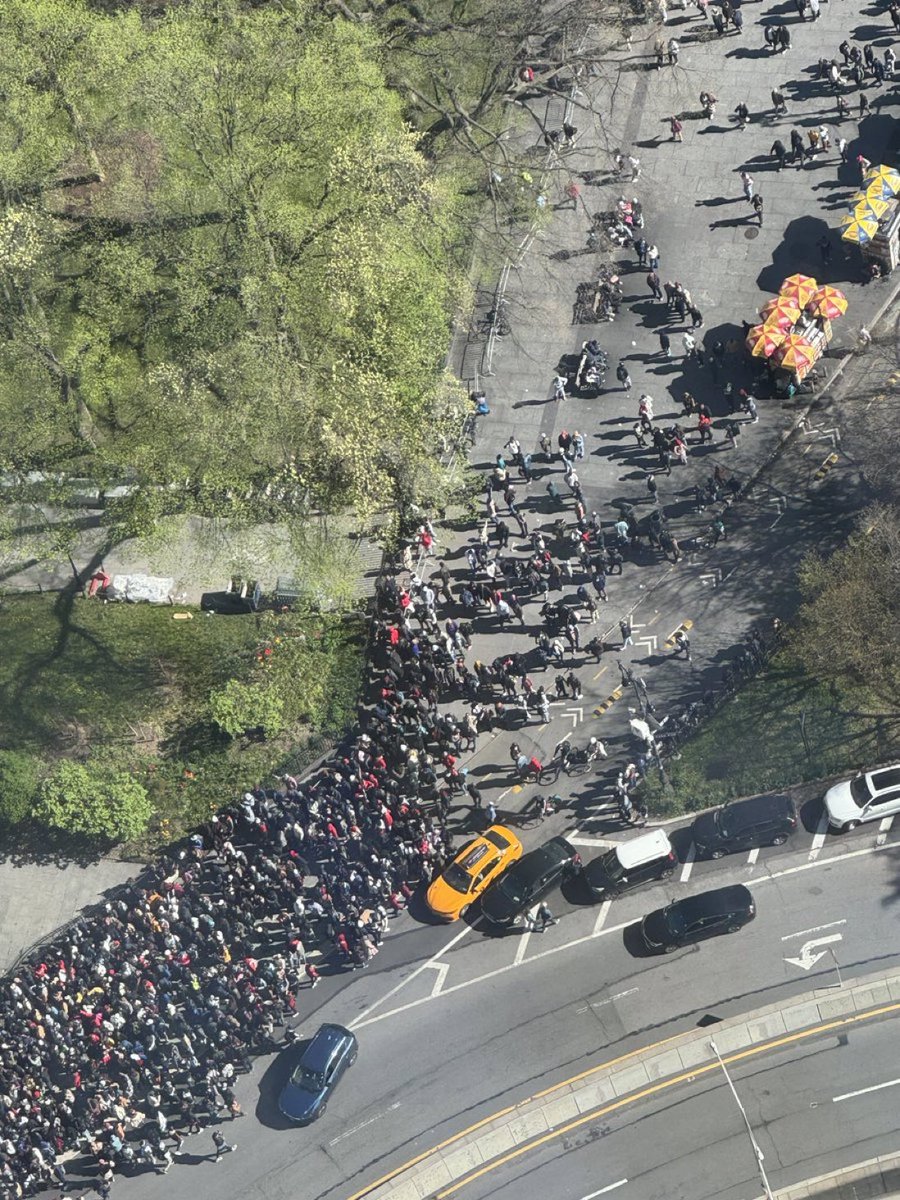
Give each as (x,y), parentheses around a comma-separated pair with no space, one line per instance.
(757,1149)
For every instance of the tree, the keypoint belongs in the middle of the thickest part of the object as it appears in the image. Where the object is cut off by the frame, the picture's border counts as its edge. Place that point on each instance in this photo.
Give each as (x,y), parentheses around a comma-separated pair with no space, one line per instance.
(849,624)
(19,775)
(95,801)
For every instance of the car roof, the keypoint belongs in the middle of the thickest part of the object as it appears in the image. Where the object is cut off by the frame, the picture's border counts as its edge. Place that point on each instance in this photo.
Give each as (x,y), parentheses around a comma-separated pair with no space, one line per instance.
(653,844)
(321,1048)
(885,777)
(715,902)
(535,862)
(484,846)
(757,808)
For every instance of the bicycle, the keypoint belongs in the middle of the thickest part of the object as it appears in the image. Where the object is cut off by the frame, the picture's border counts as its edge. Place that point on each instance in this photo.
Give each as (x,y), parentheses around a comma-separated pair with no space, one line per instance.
(545,806)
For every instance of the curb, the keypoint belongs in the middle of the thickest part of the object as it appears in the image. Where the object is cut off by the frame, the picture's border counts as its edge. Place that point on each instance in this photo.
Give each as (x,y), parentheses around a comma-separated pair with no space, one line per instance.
(875,1177)
(625,1079)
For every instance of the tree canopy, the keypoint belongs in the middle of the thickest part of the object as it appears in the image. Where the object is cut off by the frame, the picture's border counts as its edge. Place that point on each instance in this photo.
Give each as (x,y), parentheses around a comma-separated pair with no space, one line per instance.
(224,264)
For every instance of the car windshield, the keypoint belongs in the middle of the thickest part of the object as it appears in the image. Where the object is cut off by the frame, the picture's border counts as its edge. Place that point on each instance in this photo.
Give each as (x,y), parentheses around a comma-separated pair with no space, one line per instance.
(675,920)
(860,791)
(719,821)
(611,867)
(456,878)
(309,1081)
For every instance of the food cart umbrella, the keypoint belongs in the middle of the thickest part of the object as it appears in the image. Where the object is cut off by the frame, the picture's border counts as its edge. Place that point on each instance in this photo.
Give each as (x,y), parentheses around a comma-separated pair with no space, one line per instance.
(858,229)
(780,313)
(799,288)
(795,354)
(763,340)
(886,179)
(869,206)
(828,302)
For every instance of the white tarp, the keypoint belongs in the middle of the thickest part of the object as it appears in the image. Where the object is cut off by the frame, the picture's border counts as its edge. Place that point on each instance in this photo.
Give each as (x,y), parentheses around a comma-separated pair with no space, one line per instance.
(152,589)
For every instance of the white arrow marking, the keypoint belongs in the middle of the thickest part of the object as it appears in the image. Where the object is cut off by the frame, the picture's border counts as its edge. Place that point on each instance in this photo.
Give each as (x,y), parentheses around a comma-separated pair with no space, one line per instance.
(577,714)
(808,957)
(815,929)
(649,641)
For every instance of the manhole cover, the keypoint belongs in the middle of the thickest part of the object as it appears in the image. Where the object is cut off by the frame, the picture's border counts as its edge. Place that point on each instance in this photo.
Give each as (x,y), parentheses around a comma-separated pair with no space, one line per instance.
(751,233)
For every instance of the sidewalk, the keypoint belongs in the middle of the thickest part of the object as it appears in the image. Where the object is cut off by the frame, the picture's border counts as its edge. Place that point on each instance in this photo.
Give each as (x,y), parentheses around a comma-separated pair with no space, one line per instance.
(644,1073)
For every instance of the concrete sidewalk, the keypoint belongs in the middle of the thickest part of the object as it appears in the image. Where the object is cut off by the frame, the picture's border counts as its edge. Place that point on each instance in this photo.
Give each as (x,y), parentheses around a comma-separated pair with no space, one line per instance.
(645,1073)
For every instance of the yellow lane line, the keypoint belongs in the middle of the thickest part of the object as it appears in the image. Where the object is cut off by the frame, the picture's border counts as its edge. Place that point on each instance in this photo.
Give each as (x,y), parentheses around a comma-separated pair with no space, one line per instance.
(664,1085)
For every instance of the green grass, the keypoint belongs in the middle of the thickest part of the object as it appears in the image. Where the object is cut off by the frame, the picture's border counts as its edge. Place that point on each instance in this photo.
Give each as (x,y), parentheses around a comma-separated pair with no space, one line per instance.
(130,683)
(755,742)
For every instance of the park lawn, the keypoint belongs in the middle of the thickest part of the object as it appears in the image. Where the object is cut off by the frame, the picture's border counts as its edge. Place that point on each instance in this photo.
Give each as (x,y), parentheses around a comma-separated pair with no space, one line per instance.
(755,741)
(129,683)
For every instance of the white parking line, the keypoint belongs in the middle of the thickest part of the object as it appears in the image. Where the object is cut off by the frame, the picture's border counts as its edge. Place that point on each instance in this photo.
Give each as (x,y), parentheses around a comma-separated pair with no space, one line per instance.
(524,939)
(864,1091)
(753,856)
(689,860)
(883,830)
(815,929)
(609,1188)
(442,969)
(602,915)
(819,837)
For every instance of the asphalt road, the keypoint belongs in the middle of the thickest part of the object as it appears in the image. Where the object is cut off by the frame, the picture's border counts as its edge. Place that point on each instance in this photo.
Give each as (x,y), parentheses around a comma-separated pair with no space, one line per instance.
(800,1103)
(511,1015)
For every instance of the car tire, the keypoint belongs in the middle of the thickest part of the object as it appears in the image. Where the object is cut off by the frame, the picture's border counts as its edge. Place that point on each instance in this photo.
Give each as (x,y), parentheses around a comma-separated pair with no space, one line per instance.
(352,1059)
(719,853)
(670,948)
(849,826)
(733,928)
(322,1108)
(462,912)
(668,873)
(780,840)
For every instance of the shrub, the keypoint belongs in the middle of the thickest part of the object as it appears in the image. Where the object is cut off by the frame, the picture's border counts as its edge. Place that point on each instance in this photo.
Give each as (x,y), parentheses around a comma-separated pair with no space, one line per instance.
(240,707)
(95,801)
(19,775)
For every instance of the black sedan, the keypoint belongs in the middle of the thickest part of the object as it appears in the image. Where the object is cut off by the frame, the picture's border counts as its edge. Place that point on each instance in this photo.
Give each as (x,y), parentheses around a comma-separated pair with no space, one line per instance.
(329,1054)
(529,880)
(758,821)
(723,910)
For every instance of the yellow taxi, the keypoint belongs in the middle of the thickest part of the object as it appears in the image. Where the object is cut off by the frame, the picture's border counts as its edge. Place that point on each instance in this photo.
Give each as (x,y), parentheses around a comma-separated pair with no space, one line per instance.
(475,866)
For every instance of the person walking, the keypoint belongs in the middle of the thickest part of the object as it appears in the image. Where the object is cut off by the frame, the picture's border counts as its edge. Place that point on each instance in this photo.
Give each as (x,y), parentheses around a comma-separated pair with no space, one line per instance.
(665,343)
(654,285)
(653,255)
(779,152)
(747,184)
(779,101)
(682,645)
(758,207)
(623,377)
(864,109)
(545,916)
(742,112)
(676,128)
(222,1147)
(641,247)
(627,631)
(559,387)
(696,317)
(689,342)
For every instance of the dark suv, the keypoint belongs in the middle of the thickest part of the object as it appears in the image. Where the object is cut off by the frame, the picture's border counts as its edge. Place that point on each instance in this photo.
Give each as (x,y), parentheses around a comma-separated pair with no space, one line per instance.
(641,860)
(529,880)
(331,1051)
(760,821)
(723,910)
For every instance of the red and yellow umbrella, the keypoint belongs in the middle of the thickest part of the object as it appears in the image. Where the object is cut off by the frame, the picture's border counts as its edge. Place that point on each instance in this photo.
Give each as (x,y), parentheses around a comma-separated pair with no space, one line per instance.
(780,313)
(795,353)
(828,302)
(799,288)
(763,340)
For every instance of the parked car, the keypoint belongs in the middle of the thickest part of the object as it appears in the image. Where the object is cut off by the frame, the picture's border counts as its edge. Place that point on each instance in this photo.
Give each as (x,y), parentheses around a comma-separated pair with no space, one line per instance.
(329,1054)
(869,796)
(760,821)
(476,866)
(642,860)
(723,910)
(529,880)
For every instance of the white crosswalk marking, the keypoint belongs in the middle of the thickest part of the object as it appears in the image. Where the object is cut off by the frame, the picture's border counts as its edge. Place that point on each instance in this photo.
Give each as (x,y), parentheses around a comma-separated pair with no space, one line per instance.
(689,860)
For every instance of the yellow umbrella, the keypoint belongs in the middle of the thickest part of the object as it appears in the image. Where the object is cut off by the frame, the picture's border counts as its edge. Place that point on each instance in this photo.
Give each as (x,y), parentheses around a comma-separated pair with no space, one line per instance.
(873,206)
(799,288)
(858,229)
(795,353)
(886,179)
(828,302)
(763,340)
(780,313)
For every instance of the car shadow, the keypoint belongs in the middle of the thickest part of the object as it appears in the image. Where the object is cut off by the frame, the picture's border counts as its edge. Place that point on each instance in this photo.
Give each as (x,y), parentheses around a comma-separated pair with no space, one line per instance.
(811,814)
(272,1084)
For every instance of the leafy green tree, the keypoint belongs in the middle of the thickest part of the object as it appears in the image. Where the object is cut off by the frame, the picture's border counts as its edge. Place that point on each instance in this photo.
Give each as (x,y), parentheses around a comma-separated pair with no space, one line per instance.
(19,775)
(94,801)
(240,707)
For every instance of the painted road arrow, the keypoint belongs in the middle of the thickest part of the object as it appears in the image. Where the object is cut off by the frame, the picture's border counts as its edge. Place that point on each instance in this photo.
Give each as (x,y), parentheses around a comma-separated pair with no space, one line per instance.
(808,956)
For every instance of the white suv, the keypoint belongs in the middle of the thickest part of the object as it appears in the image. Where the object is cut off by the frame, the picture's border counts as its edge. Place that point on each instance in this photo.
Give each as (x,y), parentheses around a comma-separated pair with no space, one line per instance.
(868,797)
